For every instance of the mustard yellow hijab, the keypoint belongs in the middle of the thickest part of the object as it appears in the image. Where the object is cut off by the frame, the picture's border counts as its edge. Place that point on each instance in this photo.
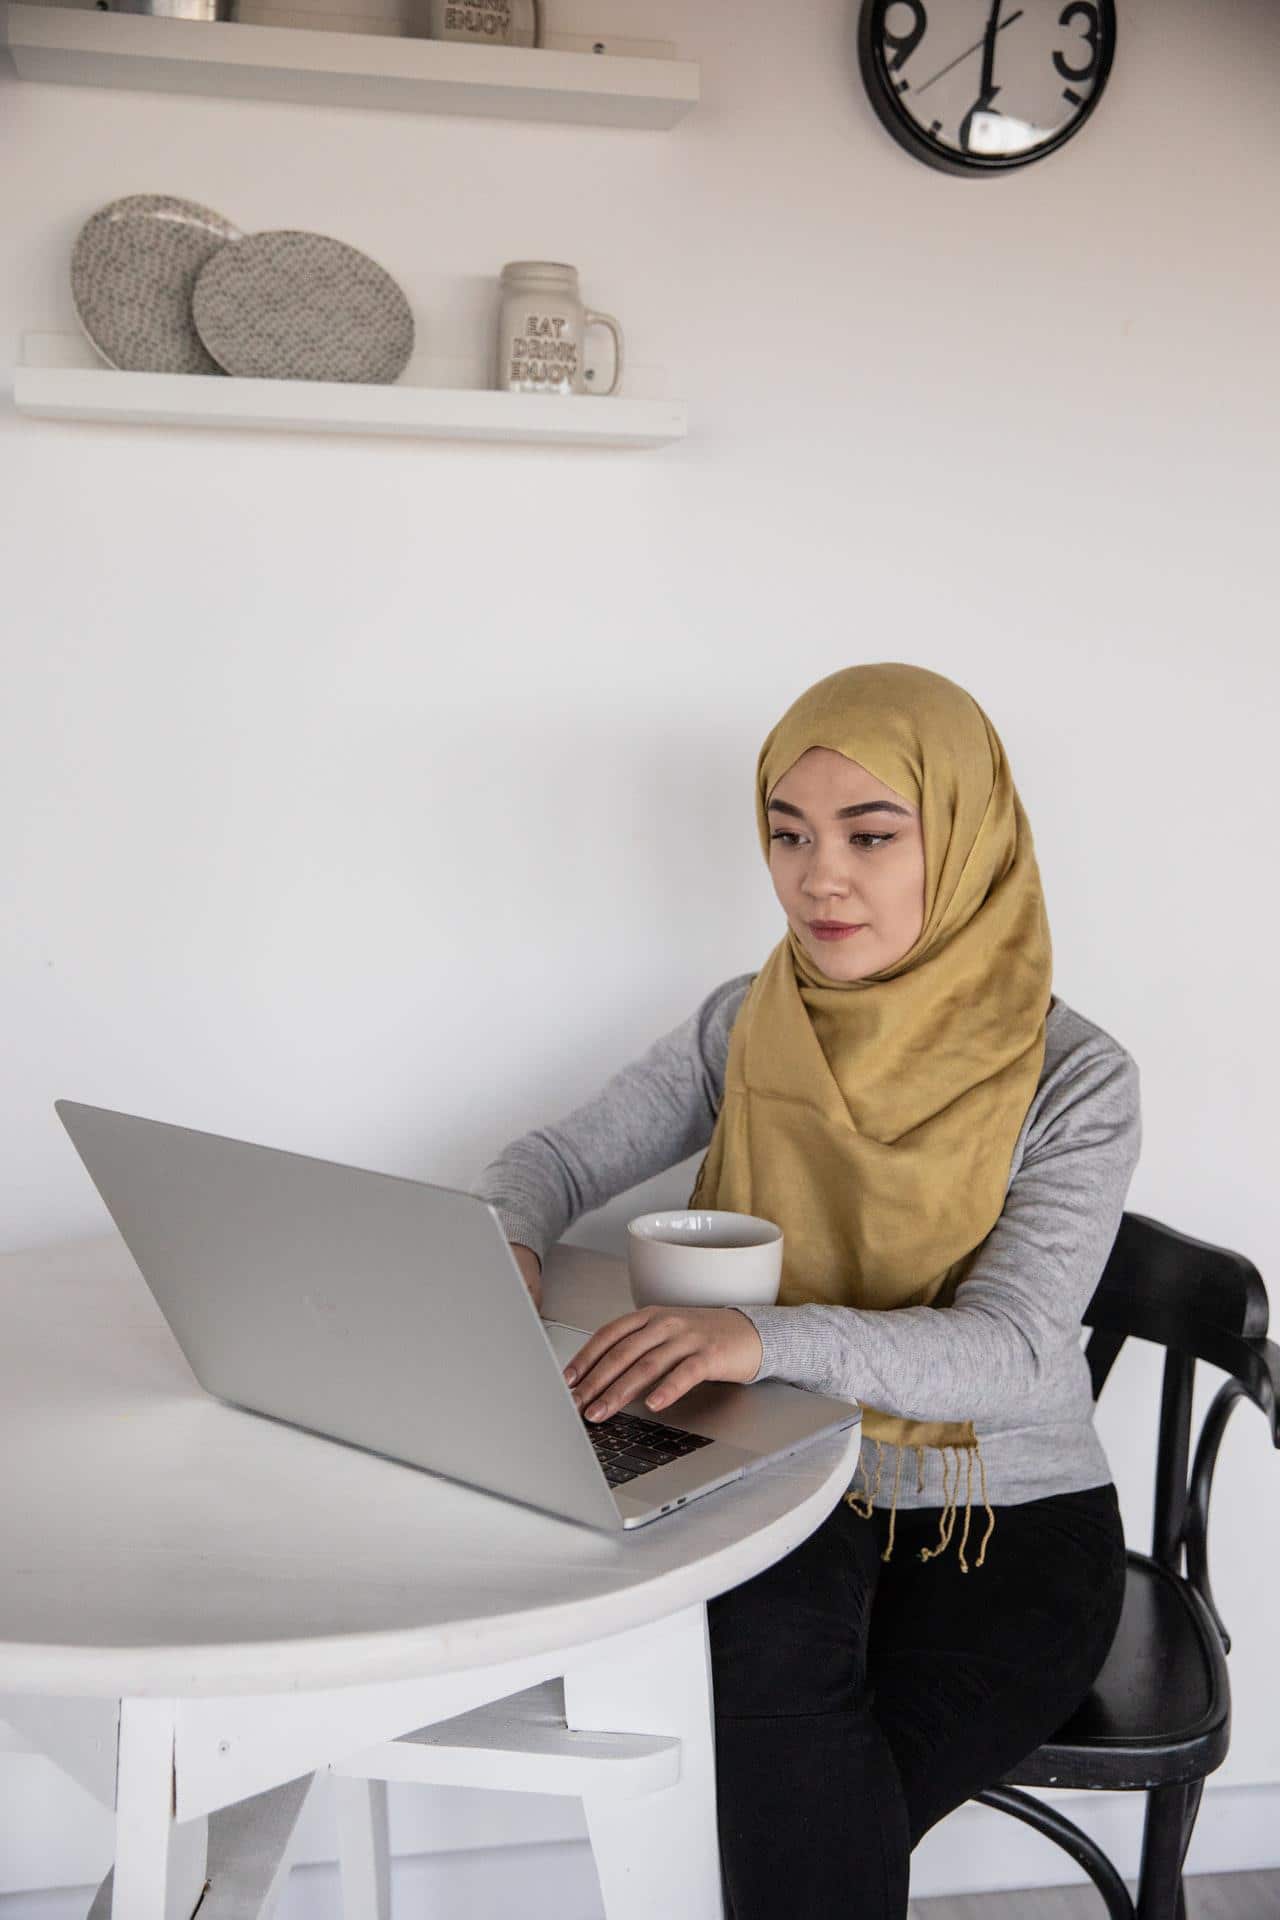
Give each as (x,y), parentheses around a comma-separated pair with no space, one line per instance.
(874,1120)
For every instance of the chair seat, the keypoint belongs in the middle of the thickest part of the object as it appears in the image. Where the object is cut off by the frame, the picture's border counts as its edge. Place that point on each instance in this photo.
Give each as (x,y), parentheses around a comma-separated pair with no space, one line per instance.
(1159,1713)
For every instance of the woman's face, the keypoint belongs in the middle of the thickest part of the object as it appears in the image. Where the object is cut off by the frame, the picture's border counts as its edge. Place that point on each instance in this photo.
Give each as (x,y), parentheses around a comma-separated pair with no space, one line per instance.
(865,868)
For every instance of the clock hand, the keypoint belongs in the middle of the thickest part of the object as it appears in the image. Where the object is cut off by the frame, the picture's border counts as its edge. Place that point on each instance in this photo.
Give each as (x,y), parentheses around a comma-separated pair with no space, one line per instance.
(968,50)
(989,89)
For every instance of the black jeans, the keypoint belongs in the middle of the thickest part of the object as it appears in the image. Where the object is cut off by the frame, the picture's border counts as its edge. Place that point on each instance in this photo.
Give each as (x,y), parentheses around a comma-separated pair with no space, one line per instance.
(857,1702)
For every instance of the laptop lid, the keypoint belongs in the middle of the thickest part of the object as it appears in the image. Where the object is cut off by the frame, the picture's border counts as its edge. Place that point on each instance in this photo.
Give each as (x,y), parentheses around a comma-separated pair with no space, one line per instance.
(349,1302)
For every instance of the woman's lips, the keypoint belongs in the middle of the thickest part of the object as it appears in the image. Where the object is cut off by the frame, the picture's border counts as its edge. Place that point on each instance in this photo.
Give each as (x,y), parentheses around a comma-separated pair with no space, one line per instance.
(832,930)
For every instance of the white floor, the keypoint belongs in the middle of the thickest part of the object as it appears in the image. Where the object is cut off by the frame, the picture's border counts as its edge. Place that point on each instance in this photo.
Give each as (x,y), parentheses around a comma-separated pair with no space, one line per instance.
(557,1878)
(1217,1896)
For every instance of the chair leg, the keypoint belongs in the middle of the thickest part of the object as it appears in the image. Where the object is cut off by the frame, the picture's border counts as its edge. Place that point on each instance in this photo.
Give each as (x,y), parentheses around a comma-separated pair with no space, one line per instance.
(1072,1839)
(1193,1807)
(1164,1841)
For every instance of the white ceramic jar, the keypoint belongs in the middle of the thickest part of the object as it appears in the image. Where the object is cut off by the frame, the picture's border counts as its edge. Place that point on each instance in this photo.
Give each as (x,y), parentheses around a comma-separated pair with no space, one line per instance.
(541,325)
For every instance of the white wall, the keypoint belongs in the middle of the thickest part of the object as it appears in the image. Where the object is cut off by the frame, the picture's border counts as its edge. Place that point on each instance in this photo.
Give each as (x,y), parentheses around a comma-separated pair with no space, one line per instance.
(375,799)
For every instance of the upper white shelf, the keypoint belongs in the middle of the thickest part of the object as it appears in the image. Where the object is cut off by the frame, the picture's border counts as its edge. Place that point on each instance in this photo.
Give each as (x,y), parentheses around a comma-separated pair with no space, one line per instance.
(84,47)
(58,381)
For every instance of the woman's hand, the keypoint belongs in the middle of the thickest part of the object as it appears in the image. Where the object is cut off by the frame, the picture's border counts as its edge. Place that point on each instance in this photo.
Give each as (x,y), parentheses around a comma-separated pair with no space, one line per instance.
(531,1267)
(661,1352)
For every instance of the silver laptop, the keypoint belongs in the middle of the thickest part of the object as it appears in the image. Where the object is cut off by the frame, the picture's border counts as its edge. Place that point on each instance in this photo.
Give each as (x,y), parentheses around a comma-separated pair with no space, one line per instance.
(391,1314)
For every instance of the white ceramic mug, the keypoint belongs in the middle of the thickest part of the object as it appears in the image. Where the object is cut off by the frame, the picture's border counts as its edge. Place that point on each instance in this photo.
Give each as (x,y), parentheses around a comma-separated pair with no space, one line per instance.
(497,23)
(541,324)
(699,1257)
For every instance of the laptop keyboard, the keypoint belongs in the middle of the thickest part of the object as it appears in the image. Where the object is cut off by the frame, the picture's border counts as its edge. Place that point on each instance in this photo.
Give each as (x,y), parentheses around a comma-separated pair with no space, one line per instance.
(626,1446)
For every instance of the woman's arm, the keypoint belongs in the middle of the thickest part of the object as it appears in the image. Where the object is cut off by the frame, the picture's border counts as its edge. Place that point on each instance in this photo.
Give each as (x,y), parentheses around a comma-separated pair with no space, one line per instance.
(1028,1286)
(652,1114)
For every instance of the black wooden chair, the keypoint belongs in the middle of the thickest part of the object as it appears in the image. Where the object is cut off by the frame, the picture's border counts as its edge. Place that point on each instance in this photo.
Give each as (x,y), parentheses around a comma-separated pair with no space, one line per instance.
(1159,1716)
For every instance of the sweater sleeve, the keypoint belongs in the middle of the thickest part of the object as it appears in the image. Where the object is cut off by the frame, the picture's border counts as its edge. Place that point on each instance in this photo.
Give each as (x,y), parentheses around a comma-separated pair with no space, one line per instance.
(652,1114)
(1025,1293)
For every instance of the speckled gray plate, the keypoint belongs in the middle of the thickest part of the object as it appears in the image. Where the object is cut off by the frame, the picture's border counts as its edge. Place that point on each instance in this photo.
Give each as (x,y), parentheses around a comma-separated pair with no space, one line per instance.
(300,306)
(133,266)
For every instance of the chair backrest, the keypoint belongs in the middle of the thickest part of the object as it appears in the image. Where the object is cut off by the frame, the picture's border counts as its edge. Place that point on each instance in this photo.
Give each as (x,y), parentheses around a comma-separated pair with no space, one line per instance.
(1200,1302)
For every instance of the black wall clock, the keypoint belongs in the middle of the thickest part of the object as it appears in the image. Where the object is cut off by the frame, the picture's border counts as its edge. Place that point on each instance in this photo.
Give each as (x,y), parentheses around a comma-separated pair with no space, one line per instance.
(979,86)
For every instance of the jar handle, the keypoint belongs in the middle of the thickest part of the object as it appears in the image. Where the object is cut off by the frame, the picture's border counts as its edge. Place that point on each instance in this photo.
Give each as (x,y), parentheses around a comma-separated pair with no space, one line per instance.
(591,319)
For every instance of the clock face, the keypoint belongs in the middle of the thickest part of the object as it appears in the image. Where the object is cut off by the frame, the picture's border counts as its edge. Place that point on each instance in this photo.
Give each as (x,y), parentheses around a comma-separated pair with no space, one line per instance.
(978,86)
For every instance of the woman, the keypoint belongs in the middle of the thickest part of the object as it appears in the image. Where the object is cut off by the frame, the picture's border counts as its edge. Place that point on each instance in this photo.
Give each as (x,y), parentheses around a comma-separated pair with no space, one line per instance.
(947,1147)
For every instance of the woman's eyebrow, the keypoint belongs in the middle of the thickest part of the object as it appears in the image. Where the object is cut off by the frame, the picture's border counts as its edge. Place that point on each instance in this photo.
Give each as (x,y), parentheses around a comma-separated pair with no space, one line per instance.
(845,813)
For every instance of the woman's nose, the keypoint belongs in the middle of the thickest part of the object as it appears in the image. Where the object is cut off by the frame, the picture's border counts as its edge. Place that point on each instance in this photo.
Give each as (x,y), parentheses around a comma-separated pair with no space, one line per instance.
(824,878)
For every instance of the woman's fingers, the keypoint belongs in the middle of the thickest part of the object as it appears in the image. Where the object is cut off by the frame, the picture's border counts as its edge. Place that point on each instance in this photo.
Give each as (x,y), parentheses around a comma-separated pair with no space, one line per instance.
(664,1363)
(668,1349)
(620,1360)
(629,1364)
(601,1340)
(601,1350)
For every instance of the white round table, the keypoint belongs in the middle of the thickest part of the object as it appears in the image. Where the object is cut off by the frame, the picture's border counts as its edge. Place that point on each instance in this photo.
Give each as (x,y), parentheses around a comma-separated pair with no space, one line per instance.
(200,1604)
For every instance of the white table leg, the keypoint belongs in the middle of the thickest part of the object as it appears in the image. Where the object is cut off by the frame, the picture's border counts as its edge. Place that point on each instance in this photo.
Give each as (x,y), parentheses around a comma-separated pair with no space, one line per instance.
(159,1871)
(659,1855)
(364,1854)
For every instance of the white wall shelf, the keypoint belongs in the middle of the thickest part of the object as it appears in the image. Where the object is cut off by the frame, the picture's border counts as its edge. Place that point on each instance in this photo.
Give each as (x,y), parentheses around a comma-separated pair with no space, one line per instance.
(51,389)
(83,47)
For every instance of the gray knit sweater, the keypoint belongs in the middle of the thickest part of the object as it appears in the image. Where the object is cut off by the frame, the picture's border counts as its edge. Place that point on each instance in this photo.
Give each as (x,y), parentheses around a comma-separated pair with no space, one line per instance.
(1006,1354)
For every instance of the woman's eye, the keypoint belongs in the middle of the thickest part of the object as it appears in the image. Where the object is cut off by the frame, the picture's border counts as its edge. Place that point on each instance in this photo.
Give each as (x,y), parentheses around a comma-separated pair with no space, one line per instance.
(880,839)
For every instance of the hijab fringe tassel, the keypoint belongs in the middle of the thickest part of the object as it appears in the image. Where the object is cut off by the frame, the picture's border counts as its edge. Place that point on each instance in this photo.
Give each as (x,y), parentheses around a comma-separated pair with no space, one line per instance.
(864,1502)
(893,1510)
(860,1502)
